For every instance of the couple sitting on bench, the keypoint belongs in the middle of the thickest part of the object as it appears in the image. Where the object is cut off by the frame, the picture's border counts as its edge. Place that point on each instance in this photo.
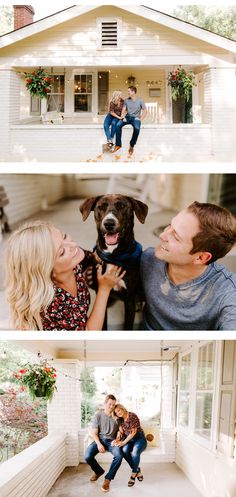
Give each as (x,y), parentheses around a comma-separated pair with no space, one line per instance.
(132,111)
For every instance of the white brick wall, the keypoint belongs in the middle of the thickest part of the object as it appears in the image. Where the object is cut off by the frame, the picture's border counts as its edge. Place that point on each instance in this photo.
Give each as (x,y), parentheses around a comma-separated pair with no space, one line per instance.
(35,470)
(64,410)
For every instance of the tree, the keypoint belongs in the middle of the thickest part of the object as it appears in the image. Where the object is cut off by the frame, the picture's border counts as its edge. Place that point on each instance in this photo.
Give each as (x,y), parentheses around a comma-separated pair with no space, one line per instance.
(221,21)
(6,19)
(22,421)
(88,390)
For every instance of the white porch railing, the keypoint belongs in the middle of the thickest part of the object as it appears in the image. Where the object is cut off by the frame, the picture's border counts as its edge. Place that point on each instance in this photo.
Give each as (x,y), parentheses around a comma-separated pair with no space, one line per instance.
(33,472)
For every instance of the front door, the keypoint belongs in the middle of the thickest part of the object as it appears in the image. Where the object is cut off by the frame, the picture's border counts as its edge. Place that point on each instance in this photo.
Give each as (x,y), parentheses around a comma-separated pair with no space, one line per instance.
(103,88)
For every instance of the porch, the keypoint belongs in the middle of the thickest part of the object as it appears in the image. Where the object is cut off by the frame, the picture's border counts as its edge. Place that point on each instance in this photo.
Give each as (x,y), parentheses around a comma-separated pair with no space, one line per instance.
(203,462)
(35,471)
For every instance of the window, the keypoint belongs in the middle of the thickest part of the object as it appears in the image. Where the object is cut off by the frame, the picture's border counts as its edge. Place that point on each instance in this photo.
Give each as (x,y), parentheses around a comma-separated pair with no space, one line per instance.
(204,391)
(83,90)
(55,99)
(109,29)
(184,395)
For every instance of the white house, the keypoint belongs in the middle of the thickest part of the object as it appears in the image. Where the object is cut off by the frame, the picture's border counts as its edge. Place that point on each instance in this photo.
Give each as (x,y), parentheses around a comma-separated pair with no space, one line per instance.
(198,412)
(92,50)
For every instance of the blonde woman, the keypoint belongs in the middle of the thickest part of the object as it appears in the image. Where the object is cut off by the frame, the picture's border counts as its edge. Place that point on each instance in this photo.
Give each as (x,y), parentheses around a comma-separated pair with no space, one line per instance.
(132,440)
(45,285)
(114,114)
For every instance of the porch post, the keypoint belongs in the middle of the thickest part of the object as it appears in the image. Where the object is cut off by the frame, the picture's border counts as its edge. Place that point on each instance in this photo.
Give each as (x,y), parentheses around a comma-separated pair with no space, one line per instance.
(64,410)
(10,108)
(223,111)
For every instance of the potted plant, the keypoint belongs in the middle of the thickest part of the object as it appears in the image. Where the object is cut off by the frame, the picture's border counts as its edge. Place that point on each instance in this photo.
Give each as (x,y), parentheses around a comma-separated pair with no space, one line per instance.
(181,83)
(39,378)
(39,83)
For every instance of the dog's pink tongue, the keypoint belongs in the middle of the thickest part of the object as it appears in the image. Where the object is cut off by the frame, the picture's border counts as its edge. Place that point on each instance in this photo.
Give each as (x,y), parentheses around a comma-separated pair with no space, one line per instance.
(111,239)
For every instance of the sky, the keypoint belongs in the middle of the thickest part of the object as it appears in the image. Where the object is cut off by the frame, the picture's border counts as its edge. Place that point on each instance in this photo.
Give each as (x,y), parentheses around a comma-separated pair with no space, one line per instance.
(45,8)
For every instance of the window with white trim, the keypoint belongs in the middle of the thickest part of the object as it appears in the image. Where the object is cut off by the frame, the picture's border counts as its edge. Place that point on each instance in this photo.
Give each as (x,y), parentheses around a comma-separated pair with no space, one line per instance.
(55,99)
(204,390)
(83,92)
(109,32)
(184,392)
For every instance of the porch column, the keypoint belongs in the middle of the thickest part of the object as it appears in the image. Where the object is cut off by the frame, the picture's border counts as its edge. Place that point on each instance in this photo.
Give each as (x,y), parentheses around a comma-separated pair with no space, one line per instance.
(64,410)
(223,111)
(10,108)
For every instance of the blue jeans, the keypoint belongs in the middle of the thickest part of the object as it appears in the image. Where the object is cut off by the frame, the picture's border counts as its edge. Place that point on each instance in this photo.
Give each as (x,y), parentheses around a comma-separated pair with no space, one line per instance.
(109,126)
(133,449)
(92,451)
(135,123)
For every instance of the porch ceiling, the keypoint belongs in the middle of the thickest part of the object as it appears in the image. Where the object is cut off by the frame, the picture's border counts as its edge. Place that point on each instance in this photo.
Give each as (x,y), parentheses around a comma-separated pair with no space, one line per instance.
(105,350)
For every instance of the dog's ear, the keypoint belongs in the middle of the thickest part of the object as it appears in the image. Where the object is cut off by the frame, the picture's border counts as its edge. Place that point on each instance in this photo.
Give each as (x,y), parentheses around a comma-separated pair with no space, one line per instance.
(140,209)
(87,206)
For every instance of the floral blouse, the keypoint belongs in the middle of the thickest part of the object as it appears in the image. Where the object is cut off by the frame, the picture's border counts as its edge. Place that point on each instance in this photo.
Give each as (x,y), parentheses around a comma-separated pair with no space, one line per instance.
(131,422)
(117,108)
(67,312)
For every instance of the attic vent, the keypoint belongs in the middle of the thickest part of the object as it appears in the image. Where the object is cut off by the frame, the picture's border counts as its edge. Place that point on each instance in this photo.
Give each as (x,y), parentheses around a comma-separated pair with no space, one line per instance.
(109,34)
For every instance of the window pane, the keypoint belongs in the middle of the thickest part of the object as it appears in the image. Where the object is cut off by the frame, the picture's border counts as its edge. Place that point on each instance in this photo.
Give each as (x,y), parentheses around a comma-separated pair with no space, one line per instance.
(184,408)
(83,103)
(185,372)
(203,414)
(204,393)
(205,367)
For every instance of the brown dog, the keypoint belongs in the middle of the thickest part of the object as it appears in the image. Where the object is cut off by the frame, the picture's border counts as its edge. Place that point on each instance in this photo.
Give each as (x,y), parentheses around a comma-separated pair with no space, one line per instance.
(114,216)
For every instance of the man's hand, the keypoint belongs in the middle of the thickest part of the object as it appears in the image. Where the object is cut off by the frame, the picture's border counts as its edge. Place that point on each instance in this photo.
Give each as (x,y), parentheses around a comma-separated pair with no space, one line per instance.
(101,448)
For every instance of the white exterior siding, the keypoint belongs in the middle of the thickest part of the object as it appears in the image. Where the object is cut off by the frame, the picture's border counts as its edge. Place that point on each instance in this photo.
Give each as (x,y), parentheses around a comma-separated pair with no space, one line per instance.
(223,111)
(141,39)
(26,193)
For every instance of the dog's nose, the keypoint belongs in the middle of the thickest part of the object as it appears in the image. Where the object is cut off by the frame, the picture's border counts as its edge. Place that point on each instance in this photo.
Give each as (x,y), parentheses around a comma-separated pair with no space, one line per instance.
(109,224)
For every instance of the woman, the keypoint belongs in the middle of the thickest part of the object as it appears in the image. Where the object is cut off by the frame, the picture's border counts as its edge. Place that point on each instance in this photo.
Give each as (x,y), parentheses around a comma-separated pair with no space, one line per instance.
(132,440)
(115,108)
(46,289)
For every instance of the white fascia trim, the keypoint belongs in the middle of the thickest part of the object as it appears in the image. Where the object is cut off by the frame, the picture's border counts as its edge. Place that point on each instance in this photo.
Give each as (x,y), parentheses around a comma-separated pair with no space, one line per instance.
(184,27)
(39,26)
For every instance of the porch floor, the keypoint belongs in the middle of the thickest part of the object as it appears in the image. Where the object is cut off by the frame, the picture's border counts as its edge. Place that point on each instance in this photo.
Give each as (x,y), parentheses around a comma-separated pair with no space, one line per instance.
(160,480)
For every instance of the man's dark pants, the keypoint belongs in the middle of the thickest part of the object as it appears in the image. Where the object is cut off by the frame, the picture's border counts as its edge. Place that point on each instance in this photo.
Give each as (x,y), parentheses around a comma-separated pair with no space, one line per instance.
(92,451)
(135,123)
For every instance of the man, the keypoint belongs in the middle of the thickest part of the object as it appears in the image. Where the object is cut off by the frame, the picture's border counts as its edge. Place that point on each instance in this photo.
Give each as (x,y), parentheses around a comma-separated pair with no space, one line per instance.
(104,428)
(134,112)
(185,288)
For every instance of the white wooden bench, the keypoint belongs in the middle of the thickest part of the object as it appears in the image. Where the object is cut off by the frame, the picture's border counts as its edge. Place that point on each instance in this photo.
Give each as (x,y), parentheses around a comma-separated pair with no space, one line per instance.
(52,117)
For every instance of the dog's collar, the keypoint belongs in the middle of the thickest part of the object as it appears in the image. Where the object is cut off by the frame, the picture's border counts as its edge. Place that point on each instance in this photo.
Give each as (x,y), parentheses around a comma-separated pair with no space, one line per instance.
(127,259)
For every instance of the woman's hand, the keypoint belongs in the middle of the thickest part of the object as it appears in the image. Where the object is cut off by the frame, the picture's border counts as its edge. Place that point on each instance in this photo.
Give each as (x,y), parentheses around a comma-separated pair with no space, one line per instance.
(111,277)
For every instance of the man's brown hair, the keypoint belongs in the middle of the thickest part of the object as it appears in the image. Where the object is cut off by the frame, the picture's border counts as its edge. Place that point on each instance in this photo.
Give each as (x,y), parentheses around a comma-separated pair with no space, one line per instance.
(217,233)
(132,88)
(109,397)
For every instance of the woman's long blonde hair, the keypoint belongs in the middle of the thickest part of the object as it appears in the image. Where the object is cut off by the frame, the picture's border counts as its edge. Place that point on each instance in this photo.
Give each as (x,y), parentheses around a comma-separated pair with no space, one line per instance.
(29,261)
(116,96)
(120,406)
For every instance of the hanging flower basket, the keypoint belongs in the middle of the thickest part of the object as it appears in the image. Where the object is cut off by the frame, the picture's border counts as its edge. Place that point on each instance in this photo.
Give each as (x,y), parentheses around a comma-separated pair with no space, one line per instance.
(39,83)
(181,83)
(39,378)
